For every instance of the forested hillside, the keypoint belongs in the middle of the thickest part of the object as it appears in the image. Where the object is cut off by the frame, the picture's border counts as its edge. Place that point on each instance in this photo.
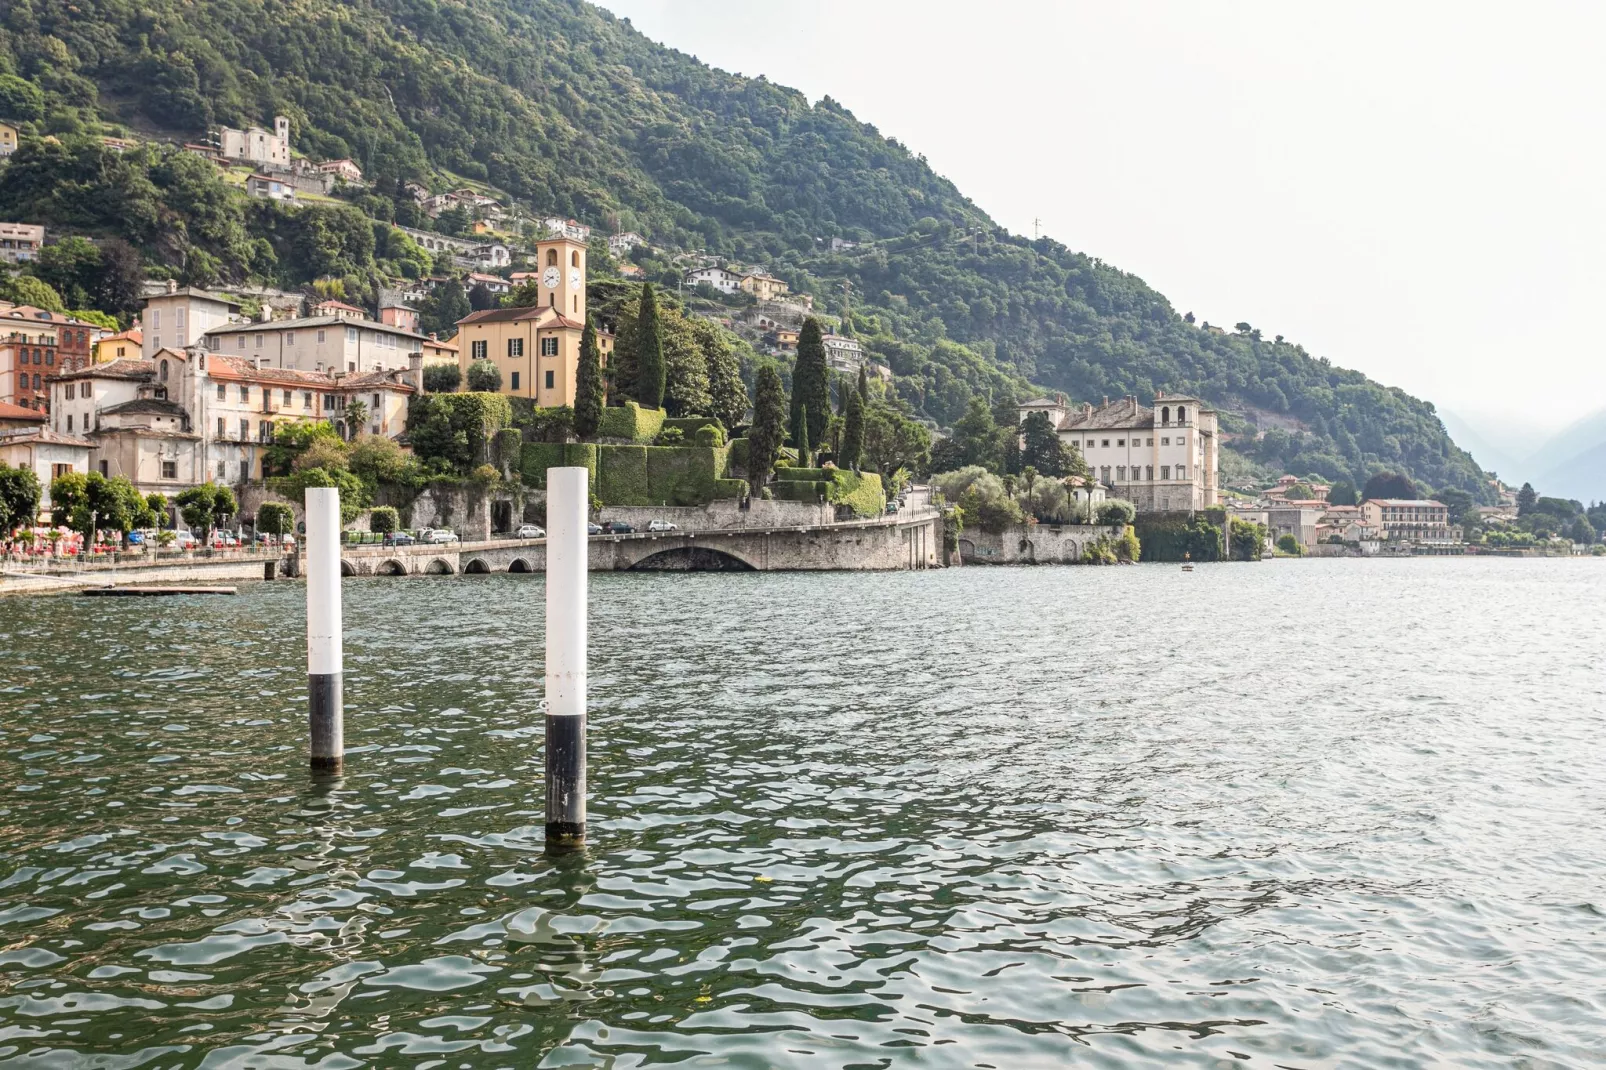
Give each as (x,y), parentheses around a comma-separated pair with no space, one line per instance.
(570,110)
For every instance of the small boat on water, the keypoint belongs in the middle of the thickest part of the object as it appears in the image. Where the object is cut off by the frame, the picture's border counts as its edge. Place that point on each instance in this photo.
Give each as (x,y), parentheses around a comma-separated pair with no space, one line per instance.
(1187,561)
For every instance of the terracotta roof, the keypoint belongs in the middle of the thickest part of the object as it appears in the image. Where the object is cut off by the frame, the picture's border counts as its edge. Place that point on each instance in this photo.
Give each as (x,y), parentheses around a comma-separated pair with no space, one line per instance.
(9,411)
(222,366)
(515,315)
(332,303)
(309,322)
(44,435)
(1417,502)
(377,380)
(122,368)
(155,406)
(44,314)
(194,291)
(131,335)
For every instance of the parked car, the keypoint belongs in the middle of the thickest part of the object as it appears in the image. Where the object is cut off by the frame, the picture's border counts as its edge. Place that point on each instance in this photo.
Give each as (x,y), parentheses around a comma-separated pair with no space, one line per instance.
(222,540)
(616,527)
(136,538)
(438,535)
(662,525)
(185,540)
(530,531)
(398,538)
(593,528)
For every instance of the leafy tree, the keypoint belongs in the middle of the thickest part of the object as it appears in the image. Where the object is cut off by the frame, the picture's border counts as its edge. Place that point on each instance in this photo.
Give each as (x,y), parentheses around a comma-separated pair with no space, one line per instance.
(71,267)
(811,384)
(1248,539)
(685,366)
(1116,511)
(769,426)
(1289,545)
(21,99)
(893,441)
(353,495)
(481,298)
(727,397)
(1389,485)
(977,440)
(852,432)
(982,496)
(650,372)
(1525,499)
(442,378)
(383,520)
(156,506)
(1045,451)
(1581,531)
(588,386)
(484,376)
(19,497)
(275,518)
(1458,503)
(446,304)
(1341,493)
(30,290)
(206,506)
(292,440)
(376,459)
(455,221)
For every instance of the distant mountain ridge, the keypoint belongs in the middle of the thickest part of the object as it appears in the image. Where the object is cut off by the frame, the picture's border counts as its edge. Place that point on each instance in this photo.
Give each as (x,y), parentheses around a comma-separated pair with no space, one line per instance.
(574,112)
(1570,463)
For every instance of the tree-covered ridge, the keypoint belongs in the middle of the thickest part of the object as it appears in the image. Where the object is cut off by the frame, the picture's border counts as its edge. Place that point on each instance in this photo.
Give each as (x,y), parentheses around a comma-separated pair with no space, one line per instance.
(574,112)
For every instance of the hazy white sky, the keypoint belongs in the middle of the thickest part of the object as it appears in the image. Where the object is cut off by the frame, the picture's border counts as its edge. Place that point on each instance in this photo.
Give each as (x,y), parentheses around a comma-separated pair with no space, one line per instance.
(1413,190)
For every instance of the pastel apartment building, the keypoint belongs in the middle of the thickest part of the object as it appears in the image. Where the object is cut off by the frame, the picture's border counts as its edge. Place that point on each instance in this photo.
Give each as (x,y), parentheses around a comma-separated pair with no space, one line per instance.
(20,242)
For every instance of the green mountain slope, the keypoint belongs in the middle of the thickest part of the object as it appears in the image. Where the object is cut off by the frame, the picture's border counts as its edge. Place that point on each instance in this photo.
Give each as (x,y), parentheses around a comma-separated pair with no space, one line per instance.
(571,110)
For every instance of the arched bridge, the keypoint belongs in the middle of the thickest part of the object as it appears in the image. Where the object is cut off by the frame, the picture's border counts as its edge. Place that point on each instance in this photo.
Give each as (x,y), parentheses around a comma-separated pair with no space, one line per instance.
(911,541)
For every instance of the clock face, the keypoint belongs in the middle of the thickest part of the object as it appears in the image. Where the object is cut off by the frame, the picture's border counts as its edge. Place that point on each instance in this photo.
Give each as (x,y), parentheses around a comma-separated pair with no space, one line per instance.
(551,279)
(574,278)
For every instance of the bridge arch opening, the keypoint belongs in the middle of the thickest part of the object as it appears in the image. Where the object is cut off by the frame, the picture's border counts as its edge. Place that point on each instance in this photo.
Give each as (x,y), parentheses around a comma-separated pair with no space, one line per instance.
(347,568)
(691,559)
(519,564)
(439,567)
(475,567)
(392,567)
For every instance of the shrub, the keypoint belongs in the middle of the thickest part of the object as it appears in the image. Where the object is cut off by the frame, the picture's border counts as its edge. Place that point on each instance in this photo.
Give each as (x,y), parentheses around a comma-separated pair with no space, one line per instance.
(1117,511)
(442,378)
(485,473)
(1289,545)
(383,519)
(275,518)
(860,492)
(1127,547)
(631,422)
(484,377)
(669,436)
(710,435)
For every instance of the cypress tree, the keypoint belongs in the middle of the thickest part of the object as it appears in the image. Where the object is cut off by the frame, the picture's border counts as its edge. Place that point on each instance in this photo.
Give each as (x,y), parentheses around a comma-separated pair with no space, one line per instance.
(588,383)
(650,373)
(853,431)
(811,382)
(769,426)
(801,439)
(864,384)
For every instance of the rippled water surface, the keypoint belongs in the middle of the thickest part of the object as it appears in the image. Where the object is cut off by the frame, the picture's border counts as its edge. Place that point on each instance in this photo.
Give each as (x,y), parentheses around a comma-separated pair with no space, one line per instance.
(1300,814)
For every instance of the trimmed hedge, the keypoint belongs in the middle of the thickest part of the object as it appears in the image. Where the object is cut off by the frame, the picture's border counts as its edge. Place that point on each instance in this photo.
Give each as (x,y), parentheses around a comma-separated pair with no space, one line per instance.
(536,457)
(689,424)
(730,488)
(622,475)
(683,475)
(631,422)
(802,475)
(737,453)
(799,491)
(862,492)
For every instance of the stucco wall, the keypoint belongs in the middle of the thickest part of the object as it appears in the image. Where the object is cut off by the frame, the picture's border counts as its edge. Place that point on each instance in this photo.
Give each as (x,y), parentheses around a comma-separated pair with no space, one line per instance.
(721,515)
(1038,544)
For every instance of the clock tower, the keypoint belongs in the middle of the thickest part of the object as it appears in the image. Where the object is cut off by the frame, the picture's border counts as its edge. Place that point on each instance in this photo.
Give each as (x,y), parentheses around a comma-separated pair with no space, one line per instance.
(562,271)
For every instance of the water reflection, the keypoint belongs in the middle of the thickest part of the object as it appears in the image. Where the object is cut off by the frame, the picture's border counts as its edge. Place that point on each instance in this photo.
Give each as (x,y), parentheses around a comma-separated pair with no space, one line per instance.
(1330,813)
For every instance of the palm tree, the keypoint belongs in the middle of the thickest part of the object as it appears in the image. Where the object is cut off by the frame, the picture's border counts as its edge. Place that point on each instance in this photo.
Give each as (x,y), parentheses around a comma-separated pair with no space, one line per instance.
(356,417)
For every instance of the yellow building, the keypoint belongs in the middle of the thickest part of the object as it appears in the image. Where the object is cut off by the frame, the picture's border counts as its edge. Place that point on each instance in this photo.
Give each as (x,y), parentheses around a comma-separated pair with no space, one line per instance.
(117,346)
(8,139)
(536,348)
(762,286)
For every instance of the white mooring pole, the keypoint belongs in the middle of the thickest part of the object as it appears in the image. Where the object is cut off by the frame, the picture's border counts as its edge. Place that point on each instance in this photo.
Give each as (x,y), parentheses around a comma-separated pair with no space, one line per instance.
(325,654)
(567,558)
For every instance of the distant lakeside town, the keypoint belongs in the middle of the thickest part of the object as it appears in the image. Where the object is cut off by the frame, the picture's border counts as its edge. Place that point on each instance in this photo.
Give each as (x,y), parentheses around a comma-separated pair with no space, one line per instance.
(200,421)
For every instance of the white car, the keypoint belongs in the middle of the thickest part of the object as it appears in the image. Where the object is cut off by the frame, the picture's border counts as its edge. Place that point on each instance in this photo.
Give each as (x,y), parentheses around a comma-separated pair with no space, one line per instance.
(184,540)
(662,525)
(530,531)
(440,535)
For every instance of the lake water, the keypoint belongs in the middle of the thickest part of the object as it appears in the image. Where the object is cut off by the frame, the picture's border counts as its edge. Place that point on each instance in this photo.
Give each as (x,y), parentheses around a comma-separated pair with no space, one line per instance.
(1296,814)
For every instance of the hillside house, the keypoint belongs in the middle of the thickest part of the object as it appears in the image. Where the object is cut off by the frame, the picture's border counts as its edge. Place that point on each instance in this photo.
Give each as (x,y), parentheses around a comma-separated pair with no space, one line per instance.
(346,170)
(268,188)
(266,150)
(20,242)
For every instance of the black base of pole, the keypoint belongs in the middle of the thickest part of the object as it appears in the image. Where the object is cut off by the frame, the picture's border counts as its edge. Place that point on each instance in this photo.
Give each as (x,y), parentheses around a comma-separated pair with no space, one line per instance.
(326,721)
(566,780)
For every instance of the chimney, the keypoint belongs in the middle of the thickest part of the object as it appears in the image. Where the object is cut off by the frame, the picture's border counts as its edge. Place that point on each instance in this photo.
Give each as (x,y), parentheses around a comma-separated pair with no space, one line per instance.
(265,313)
(1158,394)
(172,286)
(1106,401)
(1133,398)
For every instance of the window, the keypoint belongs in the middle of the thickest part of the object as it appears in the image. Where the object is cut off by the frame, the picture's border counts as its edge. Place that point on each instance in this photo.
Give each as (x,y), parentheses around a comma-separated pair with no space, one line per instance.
(69,391)
(321,336)
(1090,443)
(222,392)
(178,316)
(574,258)
(1182,415)
(1165,441)
(245,392)
(169,469)
(86,391)
(241,340)
(351,365)
(36,380)
(1182,471)
(156,319)
(515,347)
(1120,473)
(1104,474)
(1106,442)
(549,347)
(50,357)
(286,398)
(479,350)
(69,421)
(1165,416)
(245,430)
(1165,471)
(245,471)
(1120,442)
(374,408)
(1149,442)
(549,378)
(220,473)
(220,431)
(328,402)
(1148,473)
(105,468)
(306,399)
(162,374)
(514,381)
(552,257)
(351,334)
(289,338)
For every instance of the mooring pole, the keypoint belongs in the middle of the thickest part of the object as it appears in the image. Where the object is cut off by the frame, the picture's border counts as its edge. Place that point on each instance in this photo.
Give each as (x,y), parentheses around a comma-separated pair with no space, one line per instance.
(567,553)
(325,654)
